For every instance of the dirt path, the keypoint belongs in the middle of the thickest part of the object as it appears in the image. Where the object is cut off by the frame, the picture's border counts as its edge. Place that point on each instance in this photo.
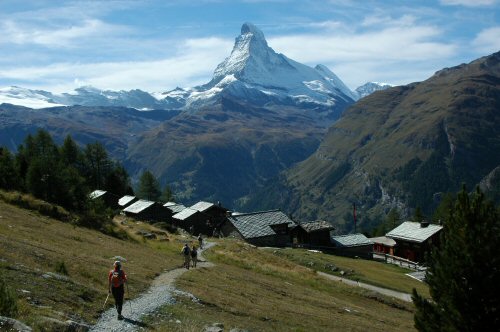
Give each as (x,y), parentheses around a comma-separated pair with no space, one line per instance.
(160,293)
(384,291)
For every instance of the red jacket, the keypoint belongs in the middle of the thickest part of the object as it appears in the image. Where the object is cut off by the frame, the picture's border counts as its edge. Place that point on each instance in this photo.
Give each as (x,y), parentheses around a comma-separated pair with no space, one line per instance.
(117,277)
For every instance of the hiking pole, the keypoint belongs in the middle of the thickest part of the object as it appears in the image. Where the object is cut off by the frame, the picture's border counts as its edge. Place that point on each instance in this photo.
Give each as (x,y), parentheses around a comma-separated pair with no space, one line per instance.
(128,291)
(104,305)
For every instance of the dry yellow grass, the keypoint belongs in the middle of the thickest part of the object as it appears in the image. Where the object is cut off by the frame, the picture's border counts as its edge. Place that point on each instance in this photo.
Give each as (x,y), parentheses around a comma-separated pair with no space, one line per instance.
(258,291)
(32,245)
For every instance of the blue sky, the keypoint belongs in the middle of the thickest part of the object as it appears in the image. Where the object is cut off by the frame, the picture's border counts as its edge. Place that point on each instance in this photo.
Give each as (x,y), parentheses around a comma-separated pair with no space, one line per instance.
(158,45)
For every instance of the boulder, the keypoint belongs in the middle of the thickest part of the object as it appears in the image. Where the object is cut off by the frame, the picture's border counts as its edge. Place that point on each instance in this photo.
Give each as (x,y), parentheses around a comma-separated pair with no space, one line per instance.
(10,324)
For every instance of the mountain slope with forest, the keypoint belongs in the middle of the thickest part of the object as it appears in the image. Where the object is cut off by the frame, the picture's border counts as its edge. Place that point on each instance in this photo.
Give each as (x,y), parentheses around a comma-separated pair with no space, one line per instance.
(400,148)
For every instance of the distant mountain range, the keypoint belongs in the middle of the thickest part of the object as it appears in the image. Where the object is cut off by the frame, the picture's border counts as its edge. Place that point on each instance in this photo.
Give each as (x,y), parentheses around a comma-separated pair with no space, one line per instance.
(269,132)
(253,72)
(259,114)
(400,148)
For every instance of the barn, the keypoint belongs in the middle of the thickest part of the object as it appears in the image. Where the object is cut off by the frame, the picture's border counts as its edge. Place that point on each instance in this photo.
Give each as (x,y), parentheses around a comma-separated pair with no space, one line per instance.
(265,228)
(415,239)
(148,211)
(126,201)
(313,234)
(109,199)
(353,245)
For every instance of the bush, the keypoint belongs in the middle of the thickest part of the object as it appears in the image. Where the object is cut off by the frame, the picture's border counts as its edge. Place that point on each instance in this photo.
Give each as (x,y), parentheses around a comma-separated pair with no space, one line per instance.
(61,268)
(166,226)
(29,202)
(8,300)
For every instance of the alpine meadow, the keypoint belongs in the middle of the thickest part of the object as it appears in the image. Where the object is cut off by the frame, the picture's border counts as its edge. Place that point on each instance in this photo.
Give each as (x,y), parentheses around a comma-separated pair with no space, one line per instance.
(233,166)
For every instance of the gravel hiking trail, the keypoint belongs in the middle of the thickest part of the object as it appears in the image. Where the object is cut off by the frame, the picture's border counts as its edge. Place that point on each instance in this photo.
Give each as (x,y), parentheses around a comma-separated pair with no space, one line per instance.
(160,293)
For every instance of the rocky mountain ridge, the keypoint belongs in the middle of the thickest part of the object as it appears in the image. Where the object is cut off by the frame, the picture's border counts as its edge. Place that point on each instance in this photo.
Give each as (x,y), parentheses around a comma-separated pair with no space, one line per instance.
(400,148)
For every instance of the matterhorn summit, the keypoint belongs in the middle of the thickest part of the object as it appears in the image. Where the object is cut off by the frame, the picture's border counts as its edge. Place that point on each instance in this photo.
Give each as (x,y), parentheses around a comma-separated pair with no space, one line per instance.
(255,74)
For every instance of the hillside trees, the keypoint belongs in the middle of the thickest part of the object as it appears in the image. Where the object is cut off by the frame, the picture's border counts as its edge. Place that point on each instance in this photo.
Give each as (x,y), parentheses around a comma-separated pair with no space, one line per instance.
(149,187)
(63,175)
(8,175)
(464,274)
(167,195)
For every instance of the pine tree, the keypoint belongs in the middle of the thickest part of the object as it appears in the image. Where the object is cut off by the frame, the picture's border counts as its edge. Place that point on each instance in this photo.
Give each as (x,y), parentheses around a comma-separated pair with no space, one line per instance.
(393,218)
(418,216)
(464,274)
(8,175)
(118,181)
(148,187)
(167,194)
(98,164)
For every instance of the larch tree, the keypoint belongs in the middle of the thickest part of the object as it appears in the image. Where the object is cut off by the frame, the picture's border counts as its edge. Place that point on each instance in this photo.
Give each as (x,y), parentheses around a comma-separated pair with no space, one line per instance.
(148,187)
(464,272)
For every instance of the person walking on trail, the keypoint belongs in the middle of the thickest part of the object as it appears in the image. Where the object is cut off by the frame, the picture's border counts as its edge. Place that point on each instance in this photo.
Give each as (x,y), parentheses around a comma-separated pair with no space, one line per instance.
(200,241)
(194,256)
(117,279)
(186,252)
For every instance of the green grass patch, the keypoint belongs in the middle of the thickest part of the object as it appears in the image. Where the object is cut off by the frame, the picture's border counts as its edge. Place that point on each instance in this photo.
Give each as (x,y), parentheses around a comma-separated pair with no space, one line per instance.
(370,272)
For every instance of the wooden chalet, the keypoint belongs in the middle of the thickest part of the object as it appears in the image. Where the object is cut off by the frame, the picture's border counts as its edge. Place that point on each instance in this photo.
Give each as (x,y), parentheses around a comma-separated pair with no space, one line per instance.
(267,228)
(174,207)
(312,234)
(352,245)
(383,245)
(202,217)
(193,221)
(126,201)
(216,213)
(148,211)
(109,199)
(414,239)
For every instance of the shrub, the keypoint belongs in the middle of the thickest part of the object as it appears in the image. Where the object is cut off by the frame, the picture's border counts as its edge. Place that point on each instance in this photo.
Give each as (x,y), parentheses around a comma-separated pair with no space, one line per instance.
(8,300)
(166,226)
(61,268)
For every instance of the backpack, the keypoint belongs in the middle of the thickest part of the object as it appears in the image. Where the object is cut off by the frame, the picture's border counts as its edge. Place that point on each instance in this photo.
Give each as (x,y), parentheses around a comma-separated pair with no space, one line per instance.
(194,253)
(185,251)
(117,278)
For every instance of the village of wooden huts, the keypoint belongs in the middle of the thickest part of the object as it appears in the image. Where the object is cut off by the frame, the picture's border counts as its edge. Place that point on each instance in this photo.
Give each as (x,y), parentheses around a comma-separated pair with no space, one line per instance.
(409,241)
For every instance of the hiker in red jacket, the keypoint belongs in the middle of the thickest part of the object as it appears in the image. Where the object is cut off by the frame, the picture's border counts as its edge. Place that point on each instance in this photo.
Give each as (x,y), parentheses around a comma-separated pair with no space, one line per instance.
(117,278)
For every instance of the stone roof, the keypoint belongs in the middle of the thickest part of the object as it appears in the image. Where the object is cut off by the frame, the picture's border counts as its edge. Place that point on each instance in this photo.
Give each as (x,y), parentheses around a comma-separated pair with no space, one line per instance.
(125,200)
(175,208)
(315,226)
(96,193)
(184,214)
(351,240)
(138,206)
(413,231)
(201,206)
(258,224)
(386,241)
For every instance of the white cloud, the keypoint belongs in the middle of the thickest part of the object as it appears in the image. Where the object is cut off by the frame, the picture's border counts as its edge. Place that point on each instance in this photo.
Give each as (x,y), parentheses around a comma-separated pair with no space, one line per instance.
(488,40)
(393,50)
(193,64)
(66,36)
(469,3)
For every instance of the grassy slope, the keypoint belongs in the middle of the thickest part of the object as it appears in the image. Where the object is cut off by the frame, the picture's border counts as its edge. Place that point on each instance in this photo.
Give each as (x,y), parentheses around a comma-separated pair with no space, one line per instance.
(31,245)
(249,288)
(278,295)
(371,272)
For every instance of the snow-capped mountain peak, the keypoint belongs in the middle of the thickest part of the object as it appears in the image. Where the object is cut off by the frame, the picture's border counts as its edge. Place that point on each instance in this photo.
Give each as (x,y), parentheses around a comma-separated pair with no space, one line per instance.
(370,87)
(252,74)
(25,97)
(255,72)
